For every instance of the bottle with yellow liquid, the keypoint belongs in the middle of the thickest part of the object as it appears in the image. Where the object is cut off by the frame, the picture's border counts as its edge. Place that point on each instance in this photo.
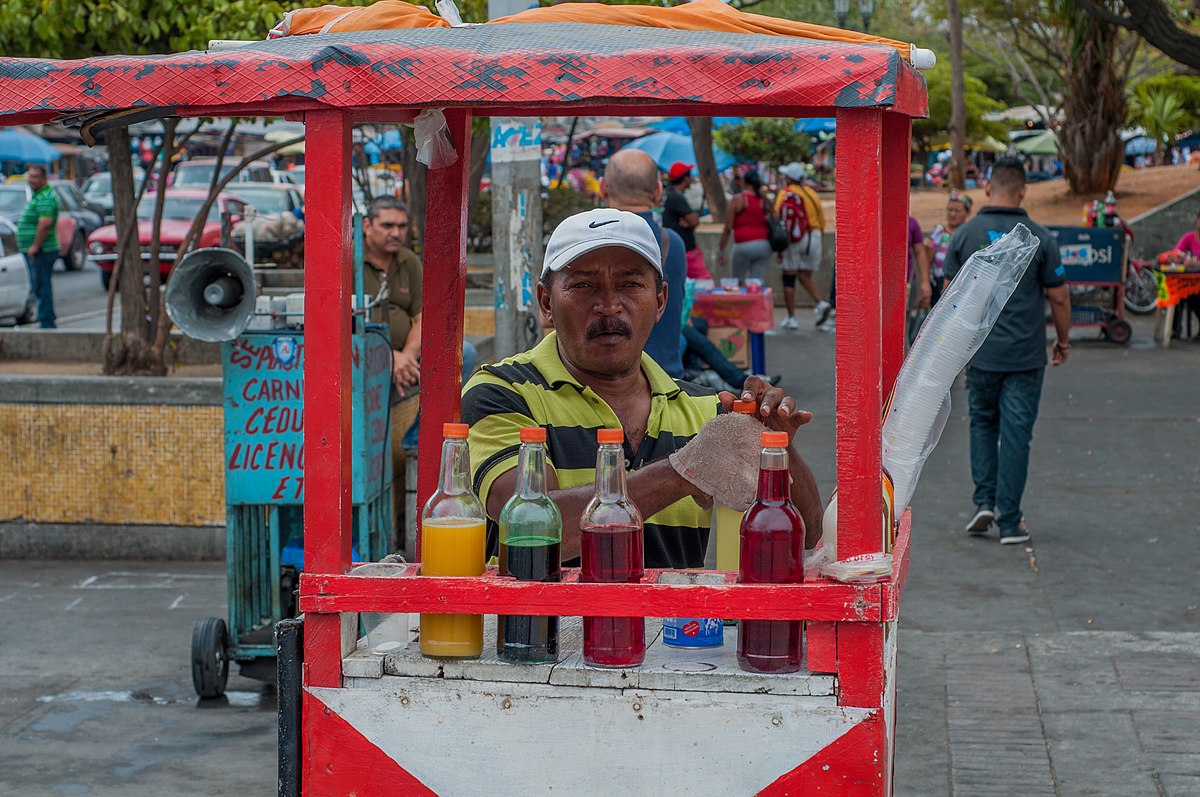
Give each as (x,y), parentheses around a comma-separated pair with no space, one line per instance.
(452,544)
(727,521)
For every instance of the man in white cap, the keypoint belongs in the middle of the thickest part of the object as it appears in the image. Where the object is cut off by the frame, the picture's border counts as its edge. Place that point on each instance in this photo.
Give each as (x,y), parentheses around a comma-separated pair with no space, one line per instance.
(602,290)
(799,211)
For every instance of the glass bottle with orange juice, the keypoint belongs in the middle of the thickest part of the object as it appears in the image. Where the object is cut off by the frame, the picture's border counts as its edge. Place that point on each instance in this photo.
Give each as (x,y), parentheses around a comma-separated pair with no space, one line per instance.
(453,539)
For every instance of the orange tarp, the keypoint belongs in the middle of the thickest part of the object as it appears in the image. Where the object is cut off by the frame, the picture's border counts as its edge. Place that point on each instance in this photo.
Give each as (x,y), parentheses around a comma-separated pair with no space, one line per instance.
(707,15)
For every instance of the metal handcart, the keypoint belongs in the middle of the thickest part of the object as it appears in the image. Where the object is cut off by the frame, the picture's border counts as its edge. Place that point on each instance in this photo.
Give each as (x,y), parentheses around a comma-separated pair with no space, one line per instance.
(355,725)
(1095,262)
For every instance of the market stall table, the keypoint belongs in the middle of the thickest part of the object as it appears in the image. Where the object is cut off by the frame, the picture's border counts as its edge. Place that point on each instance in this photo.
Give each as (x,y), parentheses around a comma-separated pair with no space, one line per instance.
(752,312)
(1173,288)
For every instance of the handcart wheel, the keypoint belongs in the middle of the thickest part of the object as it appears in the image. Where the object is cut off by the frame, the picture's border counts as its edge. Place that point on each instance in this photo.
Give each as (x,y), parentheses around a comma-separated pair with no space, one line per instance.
(210,657)
(1118,331)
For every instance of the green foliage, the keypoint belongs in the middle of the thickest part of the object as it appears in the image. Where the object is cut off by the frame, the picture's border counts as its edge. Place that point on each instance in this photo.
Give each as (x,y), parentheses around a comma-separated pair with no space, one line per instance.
(977,101)
(1162,115)
(1185,87)
(771,140)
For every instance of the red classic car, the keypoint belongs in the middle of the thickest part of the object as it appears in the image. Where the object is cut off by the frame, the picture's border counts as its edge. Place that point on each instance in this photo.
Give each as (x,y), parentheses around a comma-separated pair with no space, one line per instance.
(180,208)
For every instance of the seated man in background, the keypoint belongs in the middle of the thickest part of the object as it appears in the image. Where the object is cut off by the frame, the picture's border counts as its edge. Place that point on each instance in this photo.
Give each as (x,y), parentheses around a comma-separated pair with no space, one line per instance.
(392,276)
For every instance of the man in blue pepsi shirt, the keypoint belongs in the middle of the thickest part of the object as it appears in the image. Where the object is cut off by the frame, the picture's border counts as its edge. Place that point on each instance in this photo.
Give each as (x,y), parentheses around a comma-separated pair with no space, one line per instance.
(1004,378)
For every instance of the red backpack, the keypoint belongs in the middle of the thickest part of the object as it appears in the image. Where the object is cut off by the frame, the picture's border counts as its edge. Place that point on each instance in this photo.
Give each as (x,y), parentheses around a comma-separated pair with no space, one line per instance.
(794,217)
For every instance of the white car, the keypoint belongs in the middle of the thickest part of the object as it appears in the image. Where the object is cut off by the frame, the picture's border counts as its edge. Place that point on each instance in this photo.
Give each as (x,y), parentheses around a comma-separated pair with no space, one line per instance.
(16,300)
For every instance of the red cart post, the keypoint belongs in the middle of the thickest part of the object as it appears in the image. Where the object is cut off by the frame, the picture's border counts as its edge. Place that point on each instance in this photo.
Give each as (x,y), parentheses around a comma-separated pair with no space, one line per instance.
(401,724)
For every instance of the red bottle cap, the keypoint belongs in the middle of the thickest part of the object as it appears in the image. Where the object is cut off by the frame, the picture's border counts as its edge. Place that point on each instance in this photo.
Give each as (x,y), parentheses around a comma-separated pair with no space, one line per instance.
(774,439)
(533,434)
(745,407)
(610,436)
(455,431)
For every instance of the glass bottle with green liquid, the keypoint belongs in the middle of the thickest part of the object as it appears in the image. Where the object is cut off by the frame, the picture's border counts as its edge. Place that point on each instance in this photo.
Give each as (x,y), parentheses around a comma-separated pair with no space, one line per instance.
(530,542)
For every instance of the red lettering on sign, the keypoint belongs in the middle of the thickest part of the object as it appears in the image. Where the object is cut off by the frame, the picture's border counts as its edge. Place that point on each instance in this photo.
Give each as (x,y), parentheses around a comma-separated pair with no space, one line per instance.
(278,494)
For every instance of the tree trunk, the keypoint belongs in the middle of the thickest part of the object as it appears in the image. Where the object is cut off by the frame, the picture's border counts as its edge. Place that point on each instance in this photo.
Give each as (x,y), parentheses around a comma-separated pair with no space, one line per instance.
(958,98)
(706,164)
(480,141)
(415,175)
(130,352)
(1093,111)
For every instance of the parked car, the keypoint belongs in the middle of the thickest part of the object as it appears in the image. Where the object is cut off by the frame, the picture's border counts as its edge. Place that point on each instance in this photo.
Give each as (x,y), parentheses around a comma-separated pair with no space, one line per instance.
(16,300)
(76,221)
(271,199)
(198,173)
(180,207)
(98,191)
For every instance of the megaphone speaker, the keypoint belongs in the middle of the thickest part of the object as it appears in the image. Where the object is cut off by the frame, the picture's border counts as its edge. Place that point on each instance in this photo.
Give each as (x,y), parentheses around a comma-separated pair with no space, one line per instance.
(210,295)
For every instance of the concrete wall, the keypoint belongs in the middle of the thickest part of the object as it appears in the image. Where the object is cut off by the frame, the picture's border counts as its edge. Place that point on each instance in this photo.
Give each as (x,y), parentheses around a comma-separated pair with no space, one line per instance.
(67,346)
(1160,229)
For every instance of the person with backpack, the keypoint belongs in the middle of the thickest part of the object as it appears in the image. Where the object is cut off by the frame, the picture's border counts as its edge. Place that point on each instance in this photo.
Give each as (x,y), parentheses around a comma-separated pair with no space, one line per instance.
(800,212)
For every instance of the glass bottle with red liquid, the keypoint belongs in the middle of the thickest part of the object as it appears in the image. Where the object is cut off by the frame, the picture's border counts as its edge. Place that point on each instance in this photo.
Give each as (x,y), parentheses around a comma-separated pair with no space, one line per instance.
(611,542)
(772,552)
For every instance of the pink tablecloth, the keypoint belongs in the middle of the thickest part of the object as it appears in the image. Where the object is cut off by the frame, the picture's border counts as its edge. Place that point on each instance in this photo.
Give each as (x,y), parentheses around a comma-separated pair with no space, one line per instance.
(754,312)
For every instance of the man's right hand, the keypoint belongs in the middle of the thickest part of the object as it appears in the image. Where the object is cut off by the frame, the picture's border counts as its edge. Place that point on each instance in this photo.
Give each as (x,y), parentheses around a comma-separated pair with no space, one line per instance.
(406,371)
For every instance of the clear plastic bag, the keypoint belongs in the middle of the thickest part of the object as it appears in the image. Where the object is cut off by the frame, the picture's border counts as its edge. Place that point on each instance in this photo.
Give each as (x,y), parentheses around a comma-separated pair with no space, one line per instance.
(955,329)
(865,569)
(432,134)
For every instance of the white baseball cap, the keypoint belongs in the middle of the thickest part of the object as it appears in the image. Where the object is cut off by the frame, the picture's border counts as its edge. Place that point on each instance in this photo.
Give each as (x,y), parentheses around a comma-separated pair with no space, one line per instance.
(584,232)
(793,171)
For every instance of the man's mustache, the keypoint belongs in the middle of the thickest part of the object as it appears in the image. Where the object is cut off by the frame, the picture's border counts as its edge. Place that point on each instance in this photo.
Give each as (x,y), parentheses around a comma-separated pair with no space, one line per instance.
(609,326)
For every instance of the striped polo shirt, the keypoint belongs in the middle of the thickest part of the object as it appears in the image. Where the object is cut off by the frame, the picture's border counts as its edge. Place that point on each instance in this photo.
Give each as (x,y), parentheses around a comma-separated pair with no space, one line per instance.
(534,388)
(42,204)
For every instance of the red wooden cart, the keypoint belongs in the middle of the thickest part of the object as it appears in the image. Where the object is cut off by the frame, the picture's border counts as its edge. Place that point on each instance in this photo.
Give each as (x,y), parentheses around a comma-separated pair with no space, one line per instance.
(837,742)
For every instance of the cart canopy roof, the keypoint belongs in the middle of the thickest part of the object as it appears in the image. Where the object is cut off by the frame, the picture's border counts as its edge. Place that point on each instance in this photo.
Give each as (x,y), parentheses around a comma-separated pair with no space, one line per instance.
(514,68)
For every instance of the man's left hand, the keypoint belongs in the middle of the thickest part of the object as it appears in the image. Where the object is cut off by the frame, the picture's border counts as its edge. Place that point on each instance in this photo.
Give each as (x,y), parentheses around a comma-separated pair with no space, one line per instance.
(777,410)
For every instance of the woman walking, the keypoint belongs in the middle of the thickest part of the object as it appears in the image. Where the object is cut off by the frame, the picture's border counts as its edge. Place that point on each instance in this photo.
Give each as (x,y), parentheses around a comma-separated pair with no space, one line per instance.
(746,219)
(958,208)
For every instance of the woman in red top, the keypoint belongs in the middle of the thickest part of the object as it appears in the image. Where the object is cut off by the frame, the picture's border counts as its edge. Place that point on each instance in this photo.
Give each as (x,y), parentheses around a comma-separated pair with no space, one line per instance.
(746,218)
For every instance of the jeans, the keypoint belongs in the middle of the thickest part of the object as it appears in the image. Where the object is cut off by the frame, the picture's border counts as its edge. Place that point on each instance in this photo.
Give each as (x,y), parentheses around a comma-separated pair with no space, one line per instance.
(1003,409)
(40,268)
(470,357)
(702,350)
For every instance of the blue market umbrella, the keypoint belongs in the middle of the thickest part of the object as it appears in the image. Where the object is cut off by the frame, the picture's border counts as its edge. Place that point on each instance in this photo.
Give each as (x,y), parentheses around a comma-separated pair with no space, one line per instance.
(1140,145)
(815,126)
(678,124)
(668,148)
(17,144)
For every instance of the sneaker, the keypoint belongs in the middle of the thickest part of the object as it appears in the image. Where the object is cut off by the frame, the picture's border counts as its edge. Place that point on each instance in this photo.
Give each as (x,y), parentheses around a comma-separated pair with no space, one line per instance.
(1013,536)
(828,326)
(982,521)
(822,311)
(791,323)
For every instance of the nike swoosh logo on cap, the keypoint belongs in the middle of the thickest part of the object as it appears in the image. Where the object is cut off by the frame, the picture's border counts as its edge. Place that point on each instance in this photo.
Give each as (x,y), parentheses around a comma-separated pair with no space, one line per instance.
(596,224)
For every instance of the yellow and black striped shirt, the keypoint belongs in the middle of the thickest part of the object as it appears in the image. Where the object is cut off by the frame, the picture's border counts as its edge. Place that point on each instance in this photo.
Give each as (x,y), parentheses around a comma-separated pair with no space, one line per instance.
(534,388)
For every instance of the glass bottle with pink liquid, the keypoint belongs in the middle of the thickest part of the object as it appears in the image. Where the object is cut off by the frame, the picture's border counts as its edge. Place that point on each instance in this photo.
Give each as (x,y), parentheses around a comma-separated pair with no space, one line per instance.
(611,541)
(772,552)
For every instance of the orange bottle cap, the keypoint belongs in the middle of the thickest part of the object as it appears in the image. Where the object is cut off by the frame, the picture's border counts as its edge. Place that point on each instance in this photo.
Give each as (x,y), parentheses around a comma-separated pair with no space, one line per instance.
(533,434)
(774,439)
(455,431)
(746,407)
(610,436)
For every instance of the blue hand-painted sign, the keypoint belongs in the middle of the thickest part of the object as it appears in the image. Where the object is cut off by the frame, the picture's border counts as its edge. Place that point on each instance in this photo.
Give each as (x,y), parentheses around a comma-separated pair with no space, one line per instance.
(262,380)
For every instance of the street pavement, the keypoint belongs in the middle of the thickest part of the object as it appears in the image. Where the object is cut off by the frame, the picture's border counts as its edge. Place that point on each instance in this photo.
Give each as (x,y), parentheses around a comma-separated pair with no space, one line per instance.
(1070,666)
(80,300)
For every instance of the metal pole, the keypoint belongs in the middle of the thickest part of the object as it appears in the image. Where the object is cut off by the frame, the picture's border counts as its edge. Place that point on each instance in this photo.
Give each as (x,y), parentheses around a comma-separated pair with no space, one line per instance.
(516,151)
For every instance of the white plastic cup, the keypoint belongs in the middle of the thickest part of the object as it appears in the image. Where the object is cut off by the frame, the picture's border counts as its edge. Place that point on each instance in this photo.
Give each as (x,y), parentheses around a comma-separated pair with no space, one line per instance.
(385,632)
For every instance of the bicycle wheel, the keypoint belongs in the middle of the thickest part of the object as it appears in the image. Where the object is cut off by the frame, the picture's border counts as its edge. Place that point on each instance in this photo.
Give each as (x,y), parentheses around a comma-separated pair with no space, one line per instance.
(1141,291)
